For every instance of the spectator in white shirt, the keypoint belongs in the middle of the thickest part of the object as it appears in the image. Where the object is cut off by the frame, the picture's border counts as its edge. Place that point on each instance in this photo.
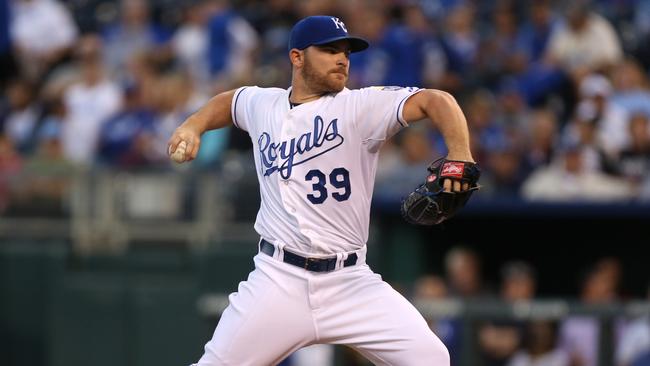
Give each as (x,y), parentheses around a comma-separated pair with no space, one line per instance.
(88,103)
(567,179)
(42,33)
(190,43)
(612,120)
(586,42)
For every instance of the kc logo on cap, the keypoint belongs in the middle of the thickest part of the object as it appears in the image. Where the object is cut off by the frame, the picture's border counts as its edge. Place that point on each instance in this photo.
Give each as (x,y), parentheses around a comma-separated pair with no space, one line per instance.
(319,30)
(339,23)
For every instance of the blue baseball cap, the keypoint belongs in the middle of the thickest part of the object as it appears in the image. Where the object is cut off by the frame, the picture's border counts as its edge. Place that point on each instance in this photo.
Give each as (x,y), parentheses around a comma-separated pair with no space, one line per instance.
(318,30)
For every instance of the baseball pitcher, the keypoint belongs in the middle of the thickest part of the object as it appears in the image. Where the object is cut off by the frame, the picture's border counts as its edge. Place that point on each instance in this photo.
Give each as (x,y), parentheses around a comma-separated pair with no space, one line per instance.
(316,146)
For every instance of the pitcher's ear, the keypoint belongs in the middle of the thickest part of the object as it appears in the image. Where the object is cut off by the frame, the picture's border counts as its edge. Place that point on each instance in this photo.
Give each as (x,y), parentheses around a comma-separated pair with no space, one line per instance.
(297,57)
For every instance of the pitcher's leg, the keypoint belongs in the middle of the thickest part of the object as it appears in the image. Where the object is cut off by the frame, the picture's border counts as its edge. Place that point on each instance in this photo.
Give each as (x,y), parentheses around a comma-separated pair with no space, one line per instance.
(404,340)
(266,320)
(373,318)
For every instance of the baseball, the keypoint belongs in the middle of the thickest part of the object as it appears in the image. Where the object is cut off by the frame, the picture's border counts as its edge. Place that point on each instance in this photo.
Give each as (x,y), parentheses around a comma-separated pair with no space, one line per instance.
(179,155)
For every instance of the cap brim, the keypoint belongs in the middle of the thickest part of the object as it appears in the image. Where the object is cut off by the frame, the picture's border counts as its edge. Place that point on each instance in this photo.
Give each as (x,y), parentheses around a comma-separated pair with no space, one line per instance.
(356,44)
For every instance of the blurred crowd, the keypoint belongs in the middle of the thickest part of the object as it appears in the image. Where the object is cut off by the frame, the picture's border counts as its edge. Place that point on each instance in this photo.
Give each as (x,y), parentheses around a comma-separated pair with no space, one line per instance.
(574,340)
(556,93)
(546,338)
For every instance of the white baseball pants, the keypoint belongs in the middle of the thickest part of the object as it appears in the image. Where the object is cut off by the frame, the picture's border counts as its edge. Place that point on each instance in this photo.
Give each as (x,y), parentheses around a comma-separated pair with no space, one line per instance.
(282,308)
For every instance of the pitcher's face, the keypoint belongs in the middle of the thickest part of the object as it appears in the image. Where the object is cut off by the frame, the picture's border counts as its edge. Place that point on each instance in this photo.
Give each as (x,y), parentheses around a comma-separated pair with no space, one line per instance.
(326,67)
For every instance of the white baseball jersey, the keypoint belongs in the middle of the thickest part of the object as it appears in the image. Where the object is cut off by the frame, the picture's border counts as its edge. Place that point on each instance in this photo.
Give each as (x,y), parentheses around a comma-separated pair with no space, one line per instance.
(316,162)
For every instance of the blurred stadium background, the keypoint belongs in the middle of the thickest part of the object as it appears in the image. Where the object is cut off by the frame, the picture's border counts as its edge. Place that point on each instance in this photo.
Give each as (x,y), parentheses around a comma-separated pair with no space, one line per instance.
(110,255)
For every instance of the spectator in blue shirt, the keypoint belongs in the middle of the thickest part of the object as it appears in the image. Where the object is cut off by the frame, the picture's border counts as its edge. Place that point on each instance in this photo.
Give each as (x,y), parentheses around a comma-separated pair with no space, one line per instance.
(124,135)
(135,33)
(406,45)
(232,41)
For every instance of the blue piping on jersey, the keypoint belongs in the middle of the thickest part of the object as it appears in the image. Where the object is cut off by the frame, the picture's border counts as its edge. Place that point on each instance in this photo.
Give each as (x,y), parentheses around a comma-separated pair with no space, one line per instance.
(234,114)
(399,107)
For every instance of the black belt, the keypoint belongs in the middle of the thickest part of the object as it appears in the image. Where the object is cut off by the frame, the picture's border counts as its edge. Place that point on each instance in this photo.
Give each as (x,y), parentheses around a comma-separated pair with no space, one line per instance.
(310,264)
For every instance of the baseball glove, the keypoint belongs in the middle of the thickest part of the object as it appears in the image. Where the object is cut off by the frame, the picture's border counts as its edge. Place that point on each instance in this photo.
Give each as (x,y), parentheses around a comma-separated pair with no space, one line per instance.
(429,204)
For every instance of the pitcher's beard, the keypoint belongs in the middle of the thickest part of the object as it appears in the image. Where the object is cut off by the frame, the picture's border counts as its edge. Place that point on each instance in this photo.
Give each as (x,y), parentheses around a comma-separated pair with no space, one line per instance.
(321,83)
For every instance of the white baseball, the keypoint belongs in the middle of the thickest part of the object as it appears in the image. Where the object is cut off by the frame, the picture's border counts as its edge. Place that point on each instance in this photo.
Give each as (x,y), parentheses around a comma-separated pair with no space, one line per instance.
(179,155)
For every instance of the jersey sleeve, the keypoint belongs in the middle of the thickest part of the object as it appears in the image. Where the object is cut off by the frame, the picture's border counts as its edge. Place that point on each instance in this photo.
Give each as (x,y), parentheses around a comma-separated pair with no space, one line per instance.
(241,106)
(380,111)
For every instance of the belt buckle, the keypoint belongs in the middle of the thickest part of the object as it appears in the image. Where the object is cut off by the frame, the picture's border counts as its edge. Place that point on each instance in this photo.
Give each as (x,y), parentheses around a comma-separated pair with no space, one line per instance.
(309,259)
